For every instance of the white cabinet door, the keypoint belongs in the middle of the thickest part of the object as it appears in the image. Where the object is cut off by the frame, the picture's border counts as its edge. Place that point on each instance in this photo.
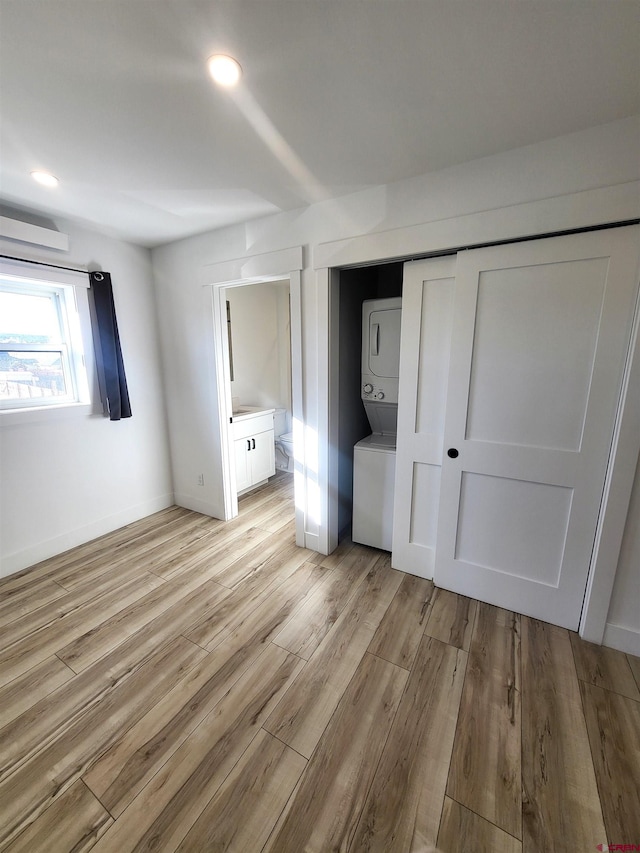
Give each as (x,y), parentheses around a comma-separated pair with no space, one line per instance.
(540,336)
(255,459)
(427,317)
(262,456)
(243,470)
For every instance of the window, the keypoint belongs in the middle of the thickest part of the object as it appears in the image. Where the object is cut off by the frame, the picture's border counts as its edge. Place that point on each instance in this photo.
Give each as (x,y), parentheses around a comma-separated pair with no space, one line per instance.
(41,351)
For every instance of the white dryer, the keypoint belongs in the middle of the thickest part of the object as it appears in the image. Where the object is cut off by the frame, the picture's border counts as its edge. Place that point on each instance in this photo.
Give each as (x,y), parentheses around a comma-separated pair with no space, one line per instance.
(381,320)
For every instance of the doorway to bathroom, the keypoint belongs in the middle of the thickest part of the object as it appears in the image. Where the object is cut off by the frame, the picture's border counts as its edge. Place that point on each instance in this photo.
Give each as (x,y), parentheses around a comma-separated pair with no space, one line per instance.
(259,337)
(255,378)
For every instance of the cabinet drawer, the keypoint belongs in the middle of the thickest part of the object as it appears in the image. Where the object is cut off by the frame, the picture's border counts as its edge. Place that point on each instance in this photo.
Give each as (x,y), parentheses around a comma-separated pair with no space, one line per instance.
(248,427)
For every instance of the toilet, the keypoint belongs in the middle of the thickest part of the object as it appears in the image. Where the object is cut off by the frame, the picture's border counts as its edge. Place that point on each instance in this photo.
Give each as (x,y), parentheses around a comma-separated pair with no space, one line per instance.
(286,441)
(283,441)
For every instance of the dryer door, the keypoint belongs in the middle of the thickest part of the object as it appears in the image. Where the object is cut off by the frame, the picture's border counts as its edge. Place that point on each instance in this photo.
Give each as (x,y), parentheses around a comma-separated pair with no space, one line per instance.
(384,342)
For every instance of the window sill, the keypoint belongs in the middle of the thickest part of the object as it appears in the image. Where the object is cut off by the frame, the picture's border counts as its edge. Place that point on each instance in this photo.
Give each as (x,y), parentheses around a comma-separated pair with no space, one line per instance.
(17,417)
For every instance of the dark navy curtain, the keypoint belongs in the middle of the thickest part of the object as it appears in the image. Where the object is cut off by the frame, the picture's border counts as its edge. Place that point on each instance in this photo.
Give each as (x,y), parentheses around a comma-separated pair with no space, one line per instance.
(113,382)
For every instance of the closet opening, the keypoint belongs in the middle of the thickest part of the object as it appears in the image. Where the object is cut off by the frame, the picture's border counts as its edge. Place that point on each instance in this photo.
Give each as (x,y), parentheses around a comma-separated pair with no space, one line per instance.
(514,372)
(351,288)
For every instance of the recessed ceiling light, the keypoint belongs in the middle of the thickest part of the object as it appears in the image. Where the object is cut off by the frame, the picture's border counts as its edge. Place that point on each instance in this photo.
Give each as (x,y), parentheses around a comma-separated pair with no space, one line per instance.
(45,178)
(225,70)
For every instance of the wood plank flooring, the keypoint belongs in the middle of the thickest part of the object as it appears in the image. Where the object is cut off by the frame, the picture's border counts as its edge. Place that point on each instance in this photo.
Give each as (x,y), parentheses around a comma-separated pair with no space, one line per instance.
(185,684)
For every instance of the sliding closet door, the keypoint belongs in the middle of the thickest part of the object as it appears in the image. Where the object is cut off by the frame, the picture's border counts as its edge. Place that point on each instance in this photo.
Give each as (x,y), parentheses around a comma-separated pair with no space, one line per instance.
(427,317)
(541,332)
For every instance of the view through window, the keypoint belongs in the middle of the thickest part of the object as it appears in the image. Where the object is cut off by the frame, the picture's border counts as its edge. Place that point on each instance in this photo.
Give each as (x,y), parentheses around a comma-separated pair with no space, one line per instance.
(41,359)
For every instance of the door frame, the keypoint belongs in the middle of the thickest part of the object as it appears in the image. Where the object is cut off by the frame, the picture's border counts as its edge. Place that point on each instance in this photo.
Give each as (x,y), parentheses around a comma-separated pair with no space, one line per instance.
(285,265)
(592,209)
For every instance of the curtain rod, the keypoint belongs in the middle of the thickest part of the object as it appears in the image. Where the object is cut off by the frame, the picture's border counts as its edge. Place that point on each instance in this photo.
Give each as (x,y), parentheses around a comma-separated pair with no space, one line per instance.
(44,264)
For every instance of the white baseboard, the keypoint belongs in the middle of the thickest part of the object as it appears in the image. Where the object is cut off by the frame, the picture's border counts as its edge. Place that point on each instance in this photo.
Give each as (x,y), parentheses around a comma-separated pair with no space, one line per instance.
(312,542)
(199,505)
(50,548)
(624,639)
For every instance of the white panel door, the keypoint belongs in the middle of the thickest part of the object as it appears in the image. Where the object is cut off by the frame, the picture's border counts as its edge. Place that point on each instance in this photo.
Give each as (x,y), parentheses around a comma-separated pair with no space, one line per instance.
(427,316)
(540,336)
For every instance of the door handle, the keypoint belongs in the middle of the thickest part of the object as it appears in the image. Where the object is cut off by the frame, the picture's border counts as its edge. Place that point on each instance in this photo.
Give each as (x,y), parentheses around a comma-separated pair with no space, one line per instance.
(375,338)
(248,444)
(254,444)
(452,453)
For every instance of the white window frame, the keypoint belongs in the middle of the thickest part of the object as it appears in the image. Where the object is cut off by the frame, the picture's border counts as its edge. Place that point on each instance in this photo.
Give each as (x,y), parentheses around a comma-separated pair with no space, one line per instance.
(68,290)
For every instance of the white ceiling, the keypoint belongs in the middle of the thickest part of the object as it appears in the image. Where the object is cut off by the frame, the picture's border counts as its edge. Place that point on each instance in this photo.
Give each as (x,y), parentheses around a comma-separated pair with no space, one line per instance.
(113,97)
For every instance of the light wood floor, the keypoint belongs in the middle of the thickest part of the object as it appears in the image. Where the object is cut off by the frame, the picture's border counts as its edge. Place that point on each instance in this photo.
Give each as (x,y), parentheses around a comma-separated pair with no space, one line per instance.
(184,684)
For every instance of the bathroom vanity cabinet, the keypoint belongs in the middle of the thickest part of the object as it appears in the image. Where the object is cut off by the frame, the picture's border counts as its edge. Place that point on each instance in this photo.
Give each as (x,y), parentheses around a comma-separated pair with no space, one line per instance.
(253,439)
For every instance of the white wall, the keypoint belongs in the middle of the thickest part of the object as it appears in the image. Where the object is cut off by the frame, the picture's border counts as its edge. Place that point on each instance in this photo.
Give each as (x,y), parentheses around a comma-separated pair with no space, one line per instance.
(261,336)
(66,478)
(491,190)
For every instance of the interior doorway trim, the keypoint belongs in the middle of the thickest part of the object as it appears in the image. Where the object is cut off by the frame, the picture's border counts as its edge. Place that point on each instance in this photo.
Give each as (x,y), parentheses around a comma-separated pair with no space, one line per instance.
(621,473)
(273,266)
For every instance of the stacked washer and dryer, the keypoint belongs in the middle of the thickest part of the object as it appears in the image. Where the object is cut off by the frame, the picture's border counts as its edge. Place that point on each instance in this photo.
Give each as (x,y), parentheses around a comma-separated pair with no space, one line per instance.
(374,457)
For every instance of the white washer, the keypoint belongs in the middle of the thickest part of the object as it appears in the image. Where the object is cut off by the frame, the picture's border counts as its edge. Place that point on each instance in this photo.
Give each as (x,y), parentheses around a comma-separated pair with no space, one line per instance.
(374,470)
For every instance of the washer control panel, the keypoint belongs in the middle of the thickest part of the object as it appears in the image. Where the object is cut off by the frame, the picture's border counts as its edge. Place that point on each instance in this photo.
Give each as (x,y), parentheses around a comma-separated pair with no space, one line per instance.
(380,391)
